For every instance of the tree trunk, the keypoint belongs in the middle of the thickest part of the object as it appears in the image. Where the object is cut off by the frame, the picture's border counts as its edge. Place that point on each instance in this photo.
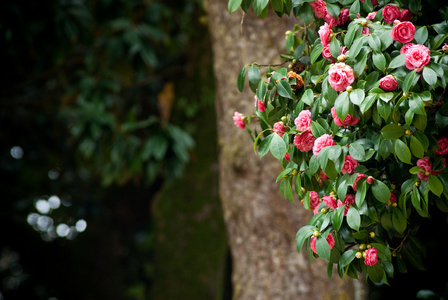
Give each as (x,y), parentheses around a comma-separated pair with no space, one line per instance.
(261,225)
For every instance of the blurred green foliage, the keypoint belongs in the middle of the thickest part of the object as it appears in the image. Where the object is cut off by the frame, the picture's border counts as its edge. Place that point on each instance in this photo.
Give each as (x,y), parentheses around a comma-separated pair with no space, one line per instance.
(104,67)
(101,99)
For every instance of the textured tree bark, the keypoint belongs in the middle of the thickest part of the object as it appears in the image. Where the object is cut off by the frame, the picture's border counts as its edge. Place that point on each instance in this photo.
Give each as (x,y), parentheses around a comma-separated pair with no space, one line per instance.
(260,224)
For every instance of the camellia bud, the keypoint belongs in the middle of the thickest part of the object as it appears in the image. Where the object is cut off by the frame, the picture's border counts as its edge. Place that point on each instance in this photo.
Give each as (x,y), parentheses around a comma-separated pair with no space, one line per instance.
(283,119)
(372,234)
(324,210)
(417,183)
(358,255)
(349,89)
(294,172)
(303,189)
(315,233)
(445,48)
(370,180)
(294,61)
(364,254)
(408,132)
(364,23)
(290,66)
(369,246)
(288,32)
(427,173)
(342,58)
(392,186)
(362,247)
(405,95)
(394,204)
(396,22)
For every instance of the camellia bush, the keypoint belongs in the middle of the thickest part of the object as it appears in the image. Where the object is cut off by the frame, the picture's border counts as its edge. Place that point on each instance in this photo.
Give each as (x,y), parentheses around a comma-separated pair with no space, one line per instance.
(357,117)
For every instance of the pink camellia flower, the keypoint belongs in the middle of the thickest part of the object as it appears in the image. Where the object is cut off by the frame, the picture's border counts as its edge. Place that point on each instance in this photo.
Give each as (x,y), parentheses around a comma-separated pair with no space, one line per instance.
(388,83)
(417,57)
(238,120)
(390,13)
(442,142)
(259,104)
(406,47)
(403,32)
(287,157)
(348,121)
(322,142)
(314,199)
(343,50)
(326,52)
(349,200)
(305,141)
(426,165)
(371,256)
(350,165)
(405,15)
(303,120)
(319,8)
(370,180)
(330,202)
(324,34)
(359,176)
(344,16)
(393,198)
(323,176)
(330,241)
(279,128)
(374,2)
(330,19)
(340,76)
(371,16)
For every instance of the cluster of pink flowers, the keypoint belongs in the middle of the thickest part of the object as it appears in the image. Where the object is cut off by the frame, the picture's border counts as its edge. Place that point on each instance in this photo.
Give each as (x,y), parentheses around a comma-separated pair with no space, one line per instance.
(279,128)
(392,13)
(442,143)
(320,10)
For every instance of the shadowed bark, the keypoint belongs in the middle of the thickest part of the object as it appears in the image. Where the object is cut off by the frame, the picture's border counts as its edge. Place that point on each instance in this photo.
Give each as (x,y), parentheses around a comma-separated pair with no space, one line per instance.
(261,225)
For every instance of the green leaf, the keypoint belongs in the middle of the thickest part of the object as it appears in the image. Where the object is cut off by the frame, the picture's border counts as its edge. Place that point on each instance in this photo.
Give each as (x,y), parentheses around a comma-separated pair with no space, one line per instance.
(375,272)
(356,151)
(308,97)
(374,43)
(421,35)
(304,233)
(380,191)
(335,47)
(353,31)
(316,52)
(259,6)
(379,61)
(284,89)
(417,147)
(305,13)
(397,62)
(322,247)
(338,217)
(277,5)
(367,103)
(392,131)
(430,76)
(402,151)
(298,52)
(361,64)
(342,105)
(289,43)
(233,5)
(416,104)
(361,193)
(347,257)
(353,218)
(254,74)
(333,9)
(399,219)
(356,47)
(435,185)
(355,9)
(409,81)
(386,220)
(316,129)
(261,90)
(357,96)
(278,147)
(265,144)
(241,79)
